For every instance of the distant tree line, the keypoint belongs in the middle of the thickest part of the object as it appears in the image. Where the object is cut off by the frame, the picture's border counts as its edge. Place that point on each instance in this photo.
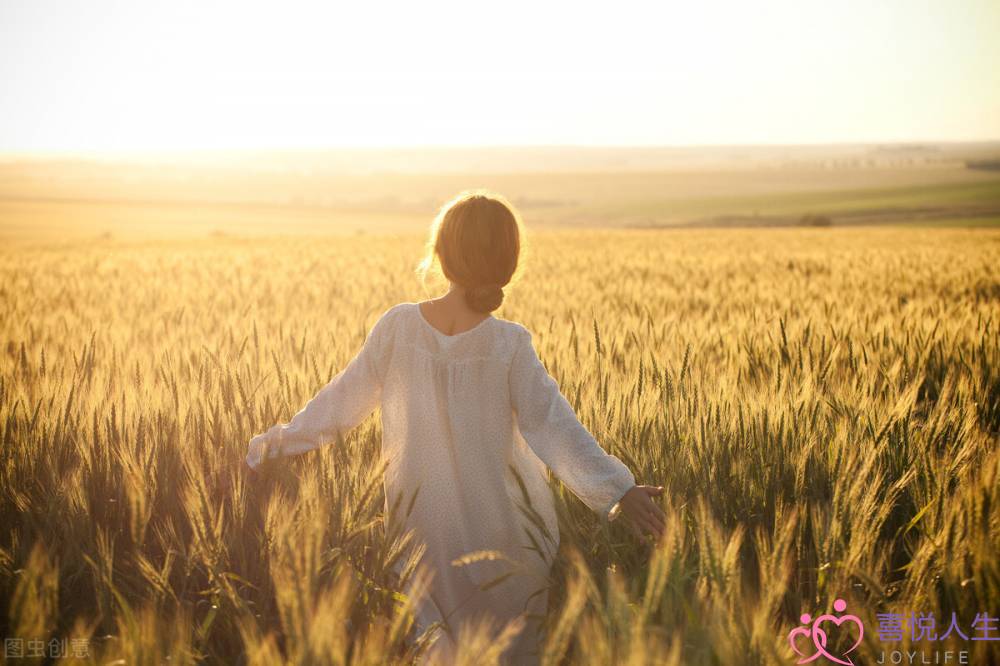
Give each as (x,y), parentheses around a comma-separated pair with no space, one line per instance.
(985,165)
(815,220)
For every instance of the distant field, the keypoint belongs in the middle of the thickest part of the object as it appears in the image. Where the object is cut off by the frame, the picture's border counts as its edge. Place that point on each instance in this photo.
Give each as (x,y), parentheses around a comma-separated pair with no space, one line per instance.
(72,199)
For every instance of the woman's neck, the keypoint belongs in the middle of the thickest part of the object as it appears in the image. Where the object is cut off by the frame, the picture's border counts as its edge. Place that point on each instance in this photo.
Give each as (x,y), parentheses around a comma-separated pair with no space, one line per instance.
(450,314)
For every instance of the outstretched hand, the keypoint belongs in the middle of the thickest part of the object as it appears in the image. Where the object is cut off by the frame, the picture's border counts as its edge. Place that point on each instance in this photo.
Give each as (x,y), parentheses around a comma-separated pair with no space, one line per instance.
(643,513)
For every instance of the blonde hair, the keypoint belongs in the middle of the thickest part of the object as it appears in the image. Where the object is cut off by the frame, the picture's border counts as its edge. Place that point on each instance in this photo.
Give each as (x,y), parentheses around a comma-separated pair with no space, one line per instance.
(476,241)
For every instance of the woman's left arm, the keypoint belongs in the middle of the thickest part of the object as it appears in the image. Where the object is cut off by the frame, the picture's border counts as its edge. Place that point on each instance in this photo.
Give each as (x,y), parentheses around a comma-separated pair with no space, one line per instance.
(339,406)
(551,428)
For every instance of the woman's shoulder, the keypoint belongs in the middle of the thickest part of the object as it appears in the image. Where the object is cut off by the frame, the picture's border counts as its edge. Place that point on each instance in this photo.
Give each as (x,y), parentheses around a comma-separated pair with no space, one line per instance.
(396,310)
(390,318)
(513,330)
(498,337)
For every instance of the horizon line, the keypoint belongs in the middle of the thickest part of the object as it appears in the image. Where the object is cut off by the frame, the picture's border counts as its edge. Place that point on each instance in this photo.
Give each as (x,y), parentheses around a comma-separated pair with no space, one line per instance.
(123,152)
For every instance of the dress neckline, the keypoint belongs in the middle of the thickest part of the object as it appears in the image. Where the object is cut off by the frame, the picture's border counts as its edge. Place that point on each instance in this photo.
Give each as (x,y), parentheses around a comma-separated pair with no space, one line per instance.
(429,325)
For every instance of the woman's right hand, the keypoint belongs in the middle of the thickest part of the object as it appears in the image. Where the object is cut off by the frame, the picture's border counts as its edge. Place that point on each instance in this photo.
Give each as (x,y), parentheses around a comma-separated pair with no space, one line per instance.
(643,513)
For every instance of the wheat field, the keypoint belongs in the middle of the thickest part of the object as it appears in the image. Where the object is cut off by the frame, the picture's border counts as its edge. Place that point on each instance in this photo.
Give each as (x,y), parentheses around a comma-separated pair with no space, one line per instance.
(821,405)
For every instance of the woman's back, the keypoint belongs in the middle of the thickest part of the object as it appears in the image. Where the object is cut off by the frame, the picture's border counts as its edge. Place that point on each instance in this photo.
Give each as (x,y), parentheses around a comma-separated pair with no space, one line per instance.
(448,424)
(447,418)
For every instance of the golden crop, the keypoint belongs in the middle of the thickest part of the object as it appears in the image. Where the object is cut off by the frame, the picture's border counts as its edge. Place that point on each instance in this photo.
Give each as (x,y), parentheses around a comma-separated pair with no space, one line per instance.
(822,405)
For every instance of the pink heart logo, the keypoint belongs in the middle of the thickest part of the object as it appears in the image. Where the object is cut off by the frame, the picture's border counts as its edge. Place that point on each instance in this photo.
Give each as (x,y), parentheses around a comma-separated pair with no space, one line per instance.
(820,635)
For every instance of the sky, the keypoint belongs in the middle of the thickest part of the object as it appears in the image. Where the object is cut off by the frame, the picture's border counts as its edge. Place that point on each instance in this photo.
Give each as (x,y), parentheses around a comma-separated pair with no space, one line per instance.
(100,76)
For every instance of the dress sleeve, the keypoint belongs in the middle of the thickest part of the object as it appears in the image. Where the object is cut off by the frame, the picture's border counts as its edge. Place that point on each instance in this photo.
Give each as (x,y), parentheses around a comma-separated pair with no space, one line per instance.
(339,406)
(551,428)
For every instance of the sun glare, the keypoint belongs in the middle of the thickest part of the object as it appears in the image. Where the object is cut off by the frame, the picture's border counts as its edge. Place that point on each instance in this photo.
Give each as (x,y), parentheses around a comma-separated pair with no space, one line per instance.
(112,76)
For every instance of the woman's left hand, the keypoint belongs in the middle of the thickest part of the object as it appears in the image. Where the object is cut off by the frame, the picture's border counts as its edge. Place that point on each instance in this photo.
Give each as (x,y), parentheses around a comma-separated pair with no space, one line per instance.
(247,470)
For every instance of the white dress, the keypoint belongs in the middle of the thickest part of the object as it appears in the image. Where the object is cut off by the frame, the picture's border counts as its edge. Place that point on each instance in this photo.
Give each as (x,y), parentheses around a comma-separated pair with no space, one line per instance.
(460,415)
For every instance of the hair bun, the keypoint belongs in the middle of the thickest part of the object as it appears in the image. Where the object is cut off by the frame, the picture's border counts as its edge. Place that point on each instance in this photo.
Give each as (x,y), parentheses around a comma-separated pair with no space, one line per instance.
(484,298)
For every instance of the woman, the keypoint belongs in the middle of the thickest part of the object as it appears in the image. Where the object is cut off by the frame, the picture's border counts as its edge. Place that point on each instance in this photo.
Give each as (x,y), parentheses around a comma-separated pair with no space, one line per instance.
(471,421)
